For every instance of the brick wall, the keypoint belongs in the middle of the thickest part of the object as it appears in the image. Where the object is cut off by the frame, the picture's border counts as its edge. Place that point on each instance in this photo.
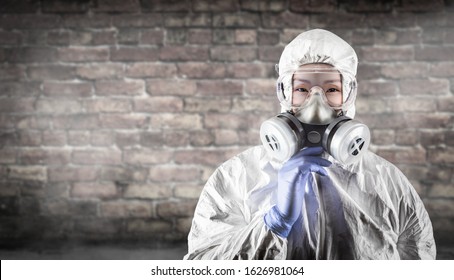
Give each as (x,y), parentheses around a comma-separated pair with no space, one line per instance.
(114,113)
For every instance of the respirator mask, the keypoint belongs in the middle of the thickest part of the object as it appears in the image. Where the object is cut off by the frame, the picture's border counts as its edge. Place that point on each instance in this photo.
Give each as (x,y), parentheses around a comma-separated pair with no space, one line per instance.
(314,101)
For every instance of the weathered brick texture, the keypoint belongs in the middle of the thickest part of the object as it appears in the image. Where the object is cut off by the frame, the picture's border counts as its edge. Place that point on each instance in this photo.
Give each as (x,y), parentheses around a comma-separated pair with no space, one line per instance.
(113,114)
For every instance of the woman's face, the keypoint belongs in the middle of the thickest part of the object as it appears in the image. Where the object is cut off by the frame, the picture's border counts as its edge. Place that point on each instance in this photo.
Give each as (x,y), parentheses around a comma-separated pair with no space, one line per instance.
(323,76)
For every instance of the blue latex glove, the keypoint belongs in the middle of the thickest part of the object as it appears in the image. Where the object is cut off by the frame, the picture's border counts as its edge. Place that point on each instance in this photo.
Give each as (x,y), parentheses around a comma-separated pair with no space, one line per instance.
(292,180)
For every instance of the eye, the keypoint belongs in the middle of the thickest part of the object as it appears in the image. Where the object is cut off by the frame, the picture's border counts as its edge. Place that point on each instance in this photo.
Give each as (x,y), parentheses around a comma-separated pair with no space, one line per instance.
(332,90)
(301,90)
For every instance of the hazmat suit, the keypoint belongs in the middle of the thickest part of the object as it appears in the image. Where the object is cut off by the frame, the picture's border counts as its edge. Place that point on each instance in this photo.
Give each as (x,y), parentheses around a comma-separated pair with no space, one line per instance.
(362,210)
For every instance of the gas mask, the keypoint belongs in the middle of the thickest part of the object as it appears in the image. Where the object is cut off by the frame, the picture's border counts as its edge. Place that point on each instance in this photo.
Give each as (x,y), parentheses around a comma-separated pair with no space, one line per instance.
(314,116)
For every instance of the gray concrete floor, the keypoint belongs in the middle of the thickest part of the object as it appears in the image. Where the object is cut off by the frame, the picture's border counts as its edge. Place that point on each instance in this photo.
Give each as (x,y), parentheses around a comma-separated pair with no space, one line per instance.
(125,252)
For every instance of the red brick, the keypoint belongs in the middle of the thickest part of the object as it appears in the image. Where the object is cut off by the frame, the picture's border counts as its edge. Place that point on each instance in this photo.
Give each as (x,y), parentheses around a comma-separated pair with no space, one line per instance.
(123,121)
(120,88)
(187,190)
(78,138)
(98,156)
(174,173)
(124,174)
(10,38)
(215,6)
(29,21)
(412,104)
(100,71)
(172,209)
(17,105)
(86,21)
(200,36)
(29,173)
(382,136)
(439,207)
(424,87)
(201,138)
(271,54)
(31,54)
(152,70)
(254,105)
(172,53)
(308,6)
(108,105)
(61,106)
(127,54)
(174,87)
(176,121)
(189,20)
(442,190)
(85,121)
(263,6)
(445,104)
(383,121)
(406,70)
(147,156)
(7,156)
(377,88)
(65,7)
(19,6)
(148,191)
(441,155)
(54,138)
(152,37)
(285,20)
(102,138)
(223,137)
(44,157)
(387,20)
(250,70)
(432,138)
(219,88)
(245,36)
(58,89)
(386,53)
(204,157)
(261,87)
(127,139)
(434,53)
(14,89)
(227,121)
(234,54)
(442,69)
(223,37)
(409,137)
(196,105)
(137,20)
(425,120)
(148,227)
(166,138)
(201,70)
(413,155)
(72,174)
(123,6)
(29,138)
(11,72)
(83,54)
(364,6)
(420,6)
(158,104)
(126,209)
(184,225)
(166,6)
(269,38)
(175,36)
(50,72)
(28,122)
(94,190)
(58,38)
(128,36)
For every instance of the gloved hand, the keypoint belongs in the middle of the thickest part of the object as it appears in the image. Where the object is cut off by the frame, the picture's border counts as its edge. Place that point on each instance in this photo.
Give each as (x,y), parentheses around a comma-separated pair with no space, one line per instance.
(293,177)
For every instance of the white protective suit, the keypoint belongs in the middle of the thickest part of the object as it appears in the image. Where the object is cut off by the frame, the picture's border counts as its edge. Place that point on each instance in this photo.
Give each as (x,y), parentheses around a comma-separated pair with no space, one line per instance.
(365,210)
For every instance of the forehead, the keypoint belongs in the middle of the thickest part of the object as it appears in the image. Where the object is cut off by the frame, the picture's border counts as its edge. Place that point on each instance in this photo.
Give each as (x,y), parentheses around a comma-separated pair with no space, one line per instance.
(317,74)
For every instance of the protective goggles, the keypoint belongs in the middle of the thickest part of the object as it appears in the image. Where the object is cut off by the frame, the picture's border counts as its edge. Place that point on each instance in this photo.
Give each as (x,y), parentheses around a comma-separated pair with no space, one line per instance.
(295,89)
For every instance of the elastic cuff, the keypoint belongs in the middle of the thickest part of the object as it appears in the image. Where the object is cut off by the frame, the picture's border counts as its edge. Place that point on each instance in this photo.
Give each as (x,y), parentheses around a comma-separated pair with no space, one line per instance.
(276,223)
